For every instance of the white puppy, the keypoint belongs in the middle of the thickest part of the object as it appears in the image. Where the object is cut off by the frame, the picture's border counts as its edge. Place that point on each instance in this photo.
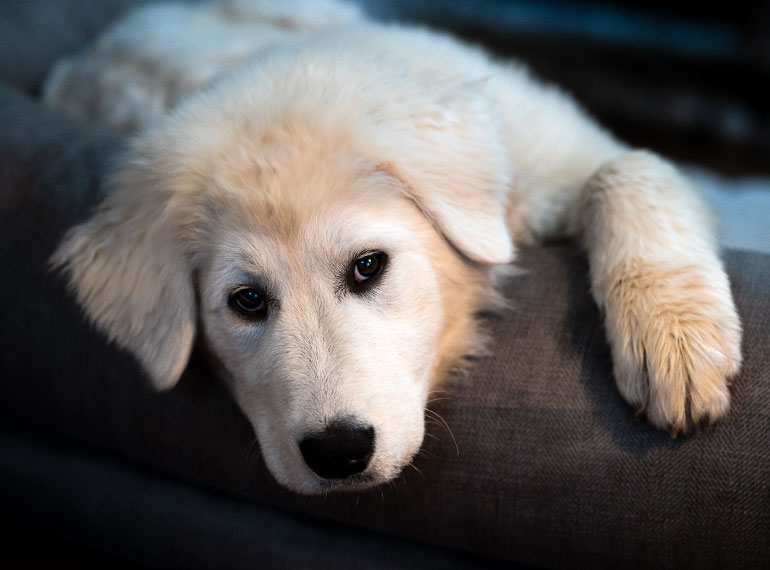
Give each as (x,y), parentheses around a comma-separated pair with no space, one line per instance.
(330,216)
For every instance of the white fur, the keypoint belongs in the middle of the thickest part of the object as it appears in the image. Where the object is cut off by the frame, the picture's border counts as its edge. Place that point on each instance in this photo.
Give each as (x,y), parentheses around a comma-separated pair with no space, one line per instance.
(334,137)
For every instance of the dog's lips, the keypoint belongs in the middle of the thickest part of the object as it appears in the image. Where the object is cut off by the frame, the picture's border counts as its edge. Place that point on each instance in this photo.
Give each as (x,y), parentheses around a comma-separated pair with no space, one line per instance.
(359,482)
(355,483)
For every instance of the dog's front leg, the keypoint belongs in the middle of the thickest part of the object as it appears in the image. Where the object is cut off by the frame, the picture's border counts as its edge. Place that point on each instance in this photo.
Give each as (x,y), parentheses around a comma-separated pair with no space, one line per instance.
(669,313)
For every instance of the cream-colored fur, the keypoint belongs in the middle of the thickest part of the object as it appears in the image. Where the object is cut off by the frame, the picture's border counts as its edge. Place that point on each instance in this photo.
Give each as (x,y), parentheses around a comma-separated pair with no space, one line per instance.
(337,137)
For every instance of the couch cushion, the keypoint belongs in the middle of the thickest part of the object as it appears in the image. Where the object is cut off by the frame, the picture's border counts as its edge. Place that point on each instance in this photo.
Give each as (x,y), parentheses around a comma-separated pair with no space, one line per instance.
(545,464)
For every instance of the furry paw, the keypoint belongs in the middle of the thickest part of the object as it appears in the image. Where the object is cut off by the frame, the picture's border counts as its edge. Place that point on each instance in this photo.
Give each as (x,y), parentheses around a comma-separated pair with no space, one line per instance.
(675,338)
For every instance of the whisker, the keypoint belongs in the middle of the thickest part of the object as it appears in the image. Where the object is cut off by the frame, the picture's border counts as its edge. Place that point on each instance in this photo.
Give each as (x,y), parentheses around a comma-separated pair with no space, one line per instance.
(413,466)
(437,400)
(251,453)
(428,455)
(437,416)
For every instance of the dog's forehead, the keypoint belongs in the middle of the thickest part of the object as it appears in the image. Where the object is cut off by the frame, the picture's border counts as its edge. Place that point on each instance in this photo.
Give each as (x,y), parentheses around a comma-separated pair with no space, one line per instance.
(318,211)
(311,231)
(286,182)
(325,230)
(292,204)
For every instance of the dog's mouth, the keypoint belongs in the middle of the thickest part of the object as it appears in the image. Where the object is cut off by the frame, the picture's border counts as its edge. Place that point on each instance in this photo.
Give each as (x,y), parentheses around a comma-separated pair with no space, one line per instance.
(349,453)
(357,482)
(379,472)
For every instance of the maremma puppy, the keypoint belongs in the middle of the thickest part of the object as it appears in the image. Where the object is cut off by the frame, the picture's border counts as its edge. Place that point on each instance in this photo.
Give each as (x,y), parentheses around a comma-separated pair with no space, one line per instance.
(328,202)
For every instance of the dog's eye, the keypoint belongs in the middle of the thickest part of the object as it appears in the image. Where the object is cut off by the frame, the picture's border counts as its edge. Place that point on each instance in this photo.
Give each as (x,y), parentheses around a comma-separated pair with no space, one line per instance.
(366,269)
(249,302)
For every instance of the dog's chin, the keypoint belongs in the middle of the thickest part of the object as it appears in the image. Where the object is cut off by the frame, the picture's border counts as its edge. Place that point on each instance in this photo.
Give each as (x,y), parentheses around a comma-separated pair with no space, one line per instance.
(315,485)
(308,483)
(359,482)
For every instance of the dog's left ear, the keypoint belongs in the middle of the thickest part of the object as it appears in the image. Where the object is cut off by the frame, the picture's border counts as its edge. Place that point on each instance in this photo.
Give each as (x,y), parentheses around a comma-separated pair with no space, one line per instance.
(457,170)
(130,274)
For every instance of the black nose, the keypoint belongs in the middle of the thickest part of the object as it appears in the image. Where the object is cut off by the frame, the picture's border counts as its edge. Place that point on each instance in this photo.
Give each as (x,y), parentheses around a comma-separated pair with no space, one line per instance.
(343,449)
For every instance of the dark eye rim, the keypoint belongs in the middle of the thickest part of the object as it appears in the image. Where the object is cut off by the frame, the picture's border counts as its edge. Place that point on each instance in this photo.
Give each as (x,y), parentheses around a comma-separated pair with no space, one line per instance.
(236,304)
(363,286)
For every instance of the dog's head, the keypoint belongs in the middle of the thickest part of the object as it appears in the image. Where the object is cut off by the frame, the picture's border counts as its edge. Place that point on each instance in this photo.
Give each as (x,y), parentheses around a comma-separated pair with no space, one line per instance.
(332,267)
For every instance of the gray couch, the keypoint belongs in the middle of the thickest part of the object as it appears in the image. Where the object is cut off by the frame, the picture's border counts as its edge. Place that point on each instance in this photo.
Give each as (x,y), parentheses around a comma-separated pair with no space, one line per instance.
(545,464)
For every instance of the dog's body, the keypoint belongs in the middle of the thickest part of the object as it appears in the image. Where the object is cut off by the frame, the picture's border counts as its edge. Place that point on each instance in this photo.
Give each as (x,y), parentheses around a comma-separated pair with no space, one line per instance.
(341,207)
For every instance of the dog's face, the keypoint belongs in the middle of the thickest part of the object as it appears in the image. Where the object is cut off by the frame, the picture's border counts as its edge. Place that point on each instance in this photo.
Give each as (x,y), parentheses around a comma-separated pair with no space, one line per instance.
(333,286)
(323,303)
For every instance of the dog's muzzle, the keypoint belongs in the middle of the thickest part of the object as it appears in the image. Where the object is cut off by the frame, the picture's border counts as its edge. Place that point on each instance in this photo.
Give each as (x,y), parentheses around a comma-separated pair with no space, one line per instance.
(341,450)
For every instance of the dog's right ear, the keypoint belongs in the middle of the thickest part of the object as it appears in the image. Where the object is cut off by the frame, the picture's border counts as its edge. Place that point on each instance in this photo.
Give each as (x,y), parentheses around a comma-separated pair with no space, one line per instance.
(130,275)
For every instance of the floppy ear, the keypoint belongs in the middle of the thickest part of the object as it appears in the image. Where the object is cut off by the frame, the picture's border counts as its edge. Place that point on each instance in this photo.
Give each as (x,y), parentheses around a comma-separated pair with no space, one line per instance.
(130,275)
(458,171)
